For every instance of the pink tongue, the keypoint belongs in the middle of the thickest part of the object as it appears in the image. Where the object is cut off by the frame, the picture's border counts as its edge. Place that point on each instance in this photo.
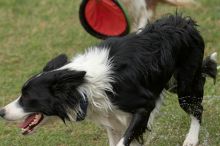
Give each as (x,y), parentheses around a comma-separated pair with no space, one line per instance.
(27,121)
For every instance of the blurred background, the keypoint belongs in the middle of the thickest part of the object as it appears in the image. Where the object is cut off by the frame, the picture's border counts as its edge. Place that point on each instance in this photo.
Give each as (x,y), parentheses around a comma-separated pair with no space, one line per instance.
(34,31)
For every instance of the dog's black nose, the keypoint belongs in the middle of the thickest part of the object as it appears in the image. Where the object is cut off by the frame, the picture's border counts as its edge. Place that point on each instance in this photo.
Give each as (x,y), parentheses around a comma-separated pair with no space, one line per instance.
(2,112)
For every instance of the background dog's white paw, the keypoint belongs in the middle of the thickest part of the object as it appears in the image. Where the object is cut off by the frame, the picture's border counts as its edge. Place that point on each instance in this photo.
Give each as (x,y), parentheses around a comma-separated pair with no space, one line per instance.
(190,141)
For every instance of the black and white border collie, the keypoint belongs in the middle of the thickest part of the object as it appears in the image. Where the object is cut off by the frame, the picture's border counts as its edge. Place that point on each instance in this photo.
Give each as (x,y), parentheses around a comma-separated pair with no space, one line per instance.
(119,83)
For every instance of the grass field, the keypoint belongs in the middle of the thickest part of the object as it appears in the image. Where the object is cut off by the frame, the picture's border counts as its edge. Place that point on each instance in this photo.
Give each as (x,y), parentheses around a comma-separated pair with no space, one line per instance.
(34,31)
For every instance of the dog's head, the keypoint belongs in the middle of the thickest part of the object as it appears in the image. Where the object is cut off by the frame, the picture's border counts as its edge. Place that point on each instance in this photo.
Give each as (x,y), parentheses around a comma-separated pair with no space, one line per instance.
(53,92)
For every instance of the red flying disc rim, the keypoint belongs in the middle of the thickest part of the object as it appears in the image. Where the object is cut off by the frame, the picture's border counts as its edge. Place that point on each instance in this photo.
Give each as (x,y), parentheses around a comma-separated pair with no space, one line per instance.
(103,18)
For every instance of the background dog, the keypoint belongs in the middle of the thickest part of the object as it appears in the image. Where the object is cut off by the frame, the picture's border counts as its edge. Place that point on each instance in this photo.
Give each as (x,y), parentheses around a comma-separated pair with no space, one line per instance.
(119,83)
(142,11)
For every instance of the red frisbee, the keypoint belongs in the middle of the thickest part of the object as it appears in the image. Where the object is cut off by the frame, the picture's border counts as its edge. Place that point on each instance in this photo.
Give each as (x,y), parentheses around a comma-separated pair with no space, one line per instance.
(103,18)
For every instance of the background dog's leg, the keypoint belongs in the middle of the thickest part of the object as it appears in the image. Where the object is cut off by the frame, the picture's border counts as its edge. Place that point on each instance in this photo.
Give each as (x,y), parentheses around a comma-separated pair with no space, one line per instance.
(145,16)
(136,128)
(113,136)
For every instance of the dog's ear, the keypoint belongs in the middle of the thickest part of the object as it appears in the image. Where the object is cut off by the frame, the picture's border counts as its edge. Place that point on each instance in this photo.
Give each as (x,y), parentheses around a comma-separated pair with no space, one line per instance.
(66,81)
(71,77)
(56,62)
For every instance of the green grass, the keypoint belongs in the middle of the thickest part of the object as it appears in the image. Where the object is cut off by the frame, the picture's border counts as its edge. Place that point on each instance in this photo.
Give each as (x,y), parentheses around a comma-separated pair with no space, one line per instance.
(34,31)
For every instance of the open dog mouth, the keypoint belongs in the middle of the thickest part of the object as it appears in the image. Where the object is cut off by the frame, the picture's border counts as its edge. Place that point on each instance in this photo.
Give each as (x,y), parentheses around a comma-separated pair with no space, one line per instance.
(31,122)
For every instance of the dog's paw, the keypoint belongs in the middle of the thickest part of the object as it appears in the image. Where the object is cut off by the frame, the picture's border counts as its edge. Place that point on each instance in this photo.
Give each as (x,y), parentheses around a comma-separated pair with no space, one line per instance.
(121,142)
(191,141)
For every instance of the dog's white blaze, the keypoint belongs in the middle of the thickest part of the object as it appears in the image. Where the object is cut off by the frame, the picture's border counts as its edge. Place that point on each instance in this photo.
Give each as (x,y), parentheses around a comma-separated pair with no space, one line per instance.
(13,111)
(97,64)
(192,137)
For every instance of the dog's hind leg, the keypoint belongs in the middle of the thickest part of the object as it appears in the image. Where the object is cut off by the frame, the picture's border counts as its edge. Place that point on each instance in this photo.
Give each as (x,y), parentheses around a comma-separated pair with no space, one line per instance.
(190,94)
(196,109)
(137,127)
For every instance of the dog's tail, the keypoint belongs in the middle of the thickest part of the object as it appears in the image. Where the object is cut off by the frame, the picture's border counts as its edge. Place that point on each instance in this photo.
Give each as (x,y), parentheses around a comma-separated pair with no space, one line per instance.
(180,2)
(209,69)
(209,66)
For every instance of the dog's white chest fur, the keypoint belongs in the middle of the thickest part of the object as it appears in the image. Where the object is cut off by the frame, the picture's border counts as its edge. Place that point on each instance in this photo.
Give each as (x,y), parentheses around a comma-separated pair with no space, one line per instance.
(116,119)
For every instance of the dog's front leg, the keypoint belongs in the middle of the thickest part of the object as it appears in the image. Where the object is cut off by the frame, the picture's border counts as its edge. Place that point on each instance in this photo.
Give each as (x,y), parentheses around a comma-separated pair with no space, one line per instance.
(136,128)
(113,136)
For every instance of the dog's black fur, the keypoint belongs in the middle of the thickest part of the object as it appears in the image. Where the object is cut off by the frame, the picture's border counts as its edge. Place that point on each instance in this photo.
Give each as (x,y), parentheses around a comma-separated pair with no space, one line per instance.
(142,65)
(145,62)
